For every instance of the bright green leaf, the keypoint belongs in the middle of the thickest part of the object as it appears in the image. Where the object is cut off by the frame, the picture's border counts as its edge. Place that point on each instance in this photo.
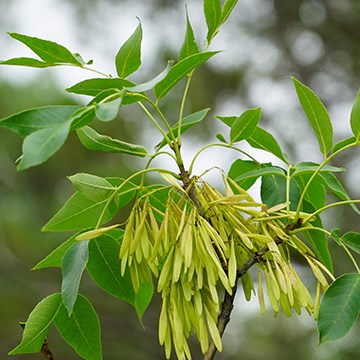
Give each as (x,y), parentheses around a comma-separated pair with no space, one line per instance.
(143,298)
(92,186)
(240,167)
(54,259)
(73,265)
(308,167)
(315,193)
(317,115)
(227,9)
(212,10)
(221,138)
(179,71)
(48,51)
(227,120)
(82,329)
(355,117)
(189,46)
(264,171)
(81,212)
(261,139)
(245,125)
(128,58)
(24,61)
(339,308)
(37,325)
(334,185)
(40,145)
(26,122)
(342,143)
(108,111)
(93,87)
(352,240)
(186,123)
(94,141)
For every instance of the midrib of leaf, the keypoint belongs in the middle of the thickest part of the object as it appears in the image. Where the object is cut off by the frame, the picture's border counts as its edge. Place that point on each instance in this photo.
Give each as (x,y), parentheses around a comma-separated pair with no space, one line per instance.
(80,329)
(128,57)
(50,53)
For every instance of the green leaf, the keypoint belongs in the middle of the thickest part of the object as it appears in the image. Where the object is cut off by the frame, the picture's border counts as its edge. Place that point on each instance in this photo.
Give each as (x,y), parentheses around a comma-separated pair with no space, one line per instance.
(82,117)
(317,239)
(127,192)
(73,265)
(179,71)
(26,122)
(93,87)
(221,138)
(315,193)
(24,61)
(81,330)
(189,46)
(92,186)
(352,240)
(261,139)
(187,123)
(273,191)
(339,308)
(240,167)
(227,9)
(94,141)
(334,185)
(335,235)
(355,117)
(227,120)
(308,167)
(128,58)
(317,115)
(264,171)
(212,10)
(245,125)
(342,143)
(81,212)
(54,259)
(143,298)
(37,325)
(48,51)
(108,111)
(40,145)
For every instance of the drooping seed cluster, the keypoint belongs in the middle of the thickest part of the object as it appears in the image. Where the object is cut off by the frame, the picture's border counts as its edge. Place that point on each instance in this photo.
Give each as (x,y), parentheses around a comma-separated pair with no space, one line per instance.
(194,255)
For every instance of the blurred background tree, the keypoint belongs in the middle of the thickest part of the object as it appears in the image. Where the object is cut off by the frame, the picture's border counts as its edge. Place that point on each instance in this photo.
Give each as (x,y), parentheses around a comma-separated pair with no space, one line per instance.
(264,43)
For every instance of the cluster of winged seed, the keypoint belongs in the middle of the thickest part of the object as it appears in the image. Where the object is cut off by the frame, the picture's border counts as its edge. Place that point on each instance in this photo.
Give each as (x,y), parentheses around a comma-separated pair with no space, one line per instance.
(194,255)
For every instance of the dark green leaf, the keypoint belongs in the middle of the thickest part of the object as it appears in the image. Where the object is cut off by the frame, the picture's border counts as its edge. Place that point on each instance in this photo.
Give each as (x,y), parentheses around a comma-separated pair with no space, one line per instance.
(108,111)
(40,145)
(81,212)
(212,10)
(355,117)
(317,115)
(221,138)
(352,240)
(245,125)
(73,265)
(315,193)
(240,167)
(54,259)
(261,139)
(82,117)
(48,51)
(127,192)
(93,87)
(24,61)
(273,191)
(92,186)
(26,122)
(227,120)
(339,308)
(310,167)
(342,143)
(227,9)
(128,59)
(335,235)
(94,141)
(82,329)
(189,46)
(179,71)
(334,185)
(317,239)
(186,124)
(37,325)
(148,85)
